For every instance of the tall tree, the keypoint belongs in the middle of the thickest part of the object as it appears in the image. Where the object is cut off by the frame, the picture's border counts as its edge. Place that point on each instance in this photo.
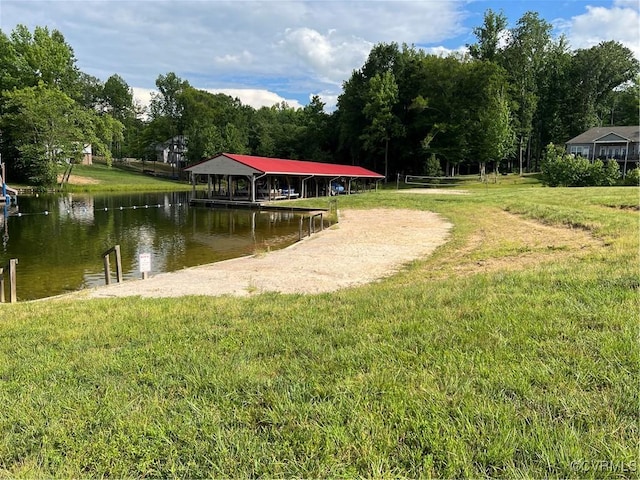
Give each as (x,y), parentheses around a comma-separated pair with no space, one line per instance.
(48,127)
(524,58)
(166,104)
(489,36)
(314,136)
(595,73)
(625,103)
(550,121)
(352,120)
(43,56)
(117,98)
(383,123)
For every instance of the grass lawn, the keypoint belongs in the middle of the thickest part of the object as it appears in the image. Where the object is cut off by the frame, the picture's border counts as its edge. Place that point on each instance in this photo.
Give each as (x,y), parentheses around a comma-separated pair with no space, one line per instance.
(497,356)
(119,178)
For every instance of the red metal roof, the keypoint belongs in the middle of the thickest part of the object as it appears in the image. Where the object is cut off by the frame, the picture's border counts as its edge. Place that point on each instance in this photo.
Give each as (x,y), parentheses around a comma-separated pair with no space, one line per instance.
(279,166)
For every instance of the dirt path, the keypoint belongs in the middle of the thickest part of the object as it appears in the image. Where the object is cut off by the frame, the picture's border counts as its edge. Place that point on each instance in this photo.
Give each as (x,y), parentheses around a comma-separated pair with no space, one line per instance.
(365,246)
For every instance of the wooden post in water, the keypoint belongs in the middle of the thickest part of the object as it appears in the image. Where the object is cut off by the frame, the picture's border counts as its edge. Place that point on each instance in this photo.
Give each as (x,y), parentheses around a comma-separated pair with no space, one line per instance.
(118,263)
(13,297)
(107,268)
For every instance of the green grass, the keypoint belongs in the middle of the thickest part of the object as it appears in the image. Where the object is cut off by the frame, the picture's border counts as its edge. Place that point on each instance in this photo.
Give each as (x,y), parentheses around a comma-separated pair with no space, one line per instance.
(513,372)
(120,178)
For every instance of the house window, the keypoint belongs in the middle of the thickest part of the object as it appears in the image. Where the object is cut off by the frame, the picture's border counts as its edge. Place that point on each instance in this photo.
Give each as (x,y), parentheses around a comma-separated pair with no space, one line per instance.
(579,150)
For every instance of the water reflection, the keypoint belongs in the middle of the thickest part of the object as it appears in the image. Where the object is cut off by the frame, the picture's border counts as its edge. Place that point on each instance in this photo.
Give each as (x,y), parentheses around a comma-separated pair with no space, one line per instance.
(59,239)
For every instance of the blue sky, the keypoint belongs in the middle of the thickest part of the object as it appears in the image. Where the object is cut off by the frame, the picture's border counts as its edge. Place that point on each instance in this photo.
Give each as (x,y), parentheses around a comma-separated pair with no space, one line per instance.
(269,51)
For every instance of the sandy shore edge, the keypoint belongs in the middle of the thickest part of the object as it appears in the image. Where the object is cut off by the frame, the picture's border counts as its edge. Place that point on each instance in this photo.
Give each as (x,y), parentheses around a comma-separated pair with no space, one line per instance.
(364,246)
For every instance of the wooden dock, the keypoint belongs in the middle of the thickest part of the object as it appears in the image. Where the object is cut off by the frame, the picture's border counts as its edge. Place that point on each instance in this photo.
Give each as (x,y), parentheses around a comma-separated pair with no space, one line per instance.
(258,205)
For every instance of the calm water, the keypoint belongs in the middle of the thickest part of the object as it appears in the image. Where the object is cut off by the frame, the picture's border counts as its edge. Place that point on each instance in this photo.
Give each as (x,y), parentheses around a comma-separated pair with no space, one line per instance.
(59,239)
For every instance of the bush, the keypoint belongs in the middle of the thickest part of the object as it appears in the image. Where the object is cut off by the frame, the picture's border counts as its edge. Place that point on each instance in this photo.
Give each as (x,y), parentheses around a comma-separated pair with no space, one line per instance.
(611,172)
(432,167)
(560,168)
(633,177)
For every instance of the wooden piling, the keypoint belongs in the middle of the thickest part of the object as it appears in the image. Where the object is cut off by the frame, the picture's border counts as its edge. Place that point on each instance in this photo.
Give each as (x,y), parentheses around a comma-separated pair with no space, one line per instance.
(13,297)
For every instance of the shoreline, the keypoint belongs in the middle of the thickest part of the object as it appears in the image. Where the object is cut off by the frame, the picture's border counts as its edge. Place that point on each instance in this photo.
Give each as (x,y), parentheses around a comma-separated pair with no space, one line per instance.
(365,246)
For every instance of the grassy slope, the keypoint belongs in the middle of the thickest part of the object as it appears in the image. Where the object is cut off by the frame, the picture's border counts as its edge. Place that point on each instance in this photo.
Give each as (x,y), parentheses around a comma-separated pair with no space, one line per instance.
(513,372)
(122,177)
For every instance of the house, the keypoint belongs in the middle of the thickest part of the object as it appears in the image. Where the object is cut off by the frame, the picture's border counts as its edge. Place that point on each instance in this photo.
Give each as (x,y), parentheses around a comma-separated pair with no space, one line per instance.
(618,143)
(87,154)
(173,151)
(246,179)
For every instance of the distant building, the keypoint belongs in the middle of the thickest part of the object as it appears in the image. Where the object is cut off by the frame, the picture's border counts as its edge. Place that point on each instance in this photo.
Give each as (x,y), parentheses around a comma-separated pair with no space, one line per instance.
(173,151)
(87,155)
(618,143)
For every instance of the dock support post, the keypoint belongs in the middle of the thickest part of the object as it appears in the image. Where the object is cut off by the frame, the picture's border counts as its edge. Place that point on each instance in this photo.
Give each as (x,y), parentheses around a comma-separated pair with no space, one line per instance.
(118,263)
(13,297)
(107,269)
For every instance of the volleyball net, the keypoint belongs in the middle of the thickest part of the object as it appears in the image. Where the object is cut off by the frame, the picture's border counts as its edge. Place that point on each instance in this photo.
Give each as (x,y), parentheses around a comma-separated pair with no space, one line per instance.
(424,181)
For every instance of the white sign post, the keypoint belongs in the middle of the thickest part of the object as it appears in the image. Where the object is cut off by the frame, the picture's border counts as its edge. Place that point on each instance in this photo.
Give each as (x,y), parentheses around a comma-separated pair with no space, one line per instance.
(144,260)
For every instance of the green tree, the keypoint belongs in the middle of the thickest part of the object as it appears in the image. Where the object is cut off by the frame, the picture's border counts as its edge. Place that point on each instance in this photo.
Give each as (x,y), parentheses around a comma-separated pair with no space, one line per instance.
(90,91)
(489,36)
(554,108)
(595,73)
(351,119)
(117,98)
(314,138)
(524,58)
(46,127)
(625,103)
(383,123)
(43,56)
(495,136)
(166,104)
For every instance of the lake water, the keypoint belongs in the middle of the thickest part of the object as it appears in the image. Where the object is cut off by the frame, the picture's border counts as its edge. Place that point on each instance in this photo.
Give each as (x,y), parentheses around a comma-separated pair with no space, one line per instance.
(59,239)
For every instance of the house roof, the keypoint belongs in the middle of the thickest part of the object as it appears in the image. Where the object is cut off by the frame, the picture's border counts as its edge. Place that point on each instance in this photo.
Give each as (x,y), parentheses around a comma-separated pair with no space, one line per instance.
(626,133)
(279,166)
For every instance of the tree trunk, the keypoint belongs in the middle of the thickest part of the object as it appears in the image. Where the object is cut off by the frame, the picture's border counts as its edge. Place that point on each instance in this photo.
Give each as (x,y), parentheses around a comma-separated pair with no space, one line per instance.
(520,154)
(386,156)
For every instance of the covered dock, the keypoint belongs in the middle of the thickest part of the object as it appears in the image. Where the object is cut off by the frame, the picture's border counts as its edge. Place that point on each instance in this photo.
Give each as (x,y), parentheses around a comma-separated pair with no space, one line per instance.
(245,180)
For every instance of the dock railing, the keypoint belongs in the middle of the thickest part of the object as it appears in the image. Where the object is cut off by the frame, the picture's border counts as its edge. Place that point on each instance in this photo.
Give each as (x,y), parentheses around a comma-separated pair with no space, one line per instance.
(107,265)
(312,225)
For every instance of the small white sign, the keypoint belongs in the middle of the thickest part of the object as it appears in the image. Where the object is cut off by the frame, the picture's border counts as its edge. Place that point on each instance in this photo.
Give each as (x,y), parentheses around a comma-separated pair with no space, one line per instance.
(145,262)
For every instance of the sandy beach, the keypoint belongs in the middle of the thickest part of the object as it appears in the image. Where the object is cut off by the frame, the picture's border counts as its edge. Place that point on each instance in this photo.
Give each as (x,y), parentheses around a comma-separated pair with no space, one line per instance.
(364,246)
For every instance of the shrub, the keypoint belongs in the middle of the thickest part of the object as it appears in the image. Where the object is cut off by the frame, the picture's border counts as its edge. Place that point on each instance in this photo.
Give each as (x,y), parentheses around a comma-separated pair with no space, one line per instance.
(432,167)
(560,168)
(611,172)
(633,177)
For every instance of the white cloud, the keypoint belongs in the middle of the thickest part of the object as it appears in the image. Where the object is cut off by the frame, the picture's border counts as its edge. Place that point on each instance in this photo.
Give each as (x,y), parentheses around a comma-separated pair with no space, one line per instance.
(627,3)
(253,97)
(620,23)
(445,52)
(234,59)
(329,57)
(142,97)
(299,45)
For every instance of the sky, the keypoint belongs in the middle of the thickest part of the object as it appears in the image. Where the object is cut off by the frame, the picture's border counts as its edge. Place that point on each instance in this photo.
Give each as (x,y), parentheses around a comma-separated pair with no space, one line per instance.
(269,51)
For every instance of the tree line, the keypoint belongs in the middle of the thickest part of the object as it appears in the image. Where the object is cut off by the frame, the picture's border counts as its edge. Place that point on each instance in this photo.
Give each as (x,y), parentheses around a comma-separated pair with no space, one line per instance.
(404,111)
